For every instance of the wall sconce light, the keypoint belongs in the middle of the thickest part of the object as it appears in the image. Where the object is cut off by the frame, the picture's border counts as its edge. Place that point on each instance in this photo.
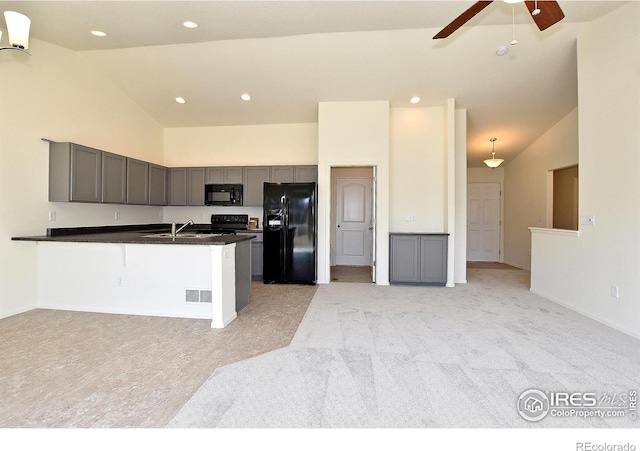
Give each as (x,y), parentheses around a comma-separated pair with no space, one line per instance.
(493,162)
(18,30)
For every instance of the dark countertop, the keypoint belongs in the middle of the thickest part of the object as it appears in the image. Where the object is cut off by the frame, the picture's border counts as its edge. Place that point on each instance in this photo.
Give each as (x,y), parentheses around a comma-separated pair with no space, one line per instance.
(134,234)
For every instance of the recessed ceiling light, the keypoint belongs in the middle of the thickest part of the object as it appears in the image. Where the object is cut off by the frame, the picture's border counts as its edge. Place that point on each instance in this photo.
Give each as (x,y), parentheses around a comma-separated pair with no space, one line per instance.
(415,99)
(246,97)
(180,100)
(189,24)
(98,33)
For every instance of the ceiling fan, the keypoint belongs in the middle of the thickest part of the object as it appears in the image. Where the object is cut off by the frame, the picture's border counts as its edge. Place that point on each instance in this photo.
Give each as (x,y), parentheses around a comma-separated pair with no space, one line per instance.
(544,14)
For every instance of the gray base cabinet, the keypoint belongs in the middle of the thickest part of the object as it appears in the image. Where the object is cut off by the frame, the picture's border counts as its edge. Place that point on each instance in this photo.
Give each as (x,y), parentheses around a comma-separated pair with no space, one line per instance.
(256,254)
(418,258)
(243,277)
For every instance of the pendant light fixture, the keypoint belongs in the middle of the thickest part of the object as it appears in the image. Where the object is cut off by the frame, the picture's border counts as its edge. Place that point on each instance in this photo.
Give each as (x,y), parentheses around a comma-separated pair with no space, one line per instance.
(493,162)
(18,30)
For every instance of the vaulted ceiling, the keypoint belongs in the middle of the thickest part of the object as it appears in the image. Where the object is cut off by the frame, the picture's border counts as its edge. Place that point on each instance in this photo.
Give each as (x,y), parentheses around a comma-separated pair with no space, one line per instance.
(290,55)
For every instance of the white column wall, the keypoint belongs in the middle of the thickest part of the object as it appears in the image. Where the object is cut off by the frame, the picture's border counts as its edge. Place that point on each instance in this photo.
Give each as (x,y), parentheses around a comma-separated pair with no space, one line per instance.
(579,272)
(353,134)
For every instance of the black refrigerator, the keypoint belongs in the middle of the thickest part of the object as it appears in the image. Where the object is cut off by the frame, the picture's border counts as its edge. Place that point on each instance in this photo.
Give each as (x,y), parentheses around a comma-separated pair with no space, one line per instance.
(289,228)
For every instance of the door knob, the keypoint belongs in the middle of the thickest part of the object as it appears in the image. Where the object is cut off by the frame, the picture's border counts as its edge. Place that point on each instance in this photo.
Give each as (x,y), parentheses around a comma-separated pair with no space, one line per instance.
(370,228)
(338,225)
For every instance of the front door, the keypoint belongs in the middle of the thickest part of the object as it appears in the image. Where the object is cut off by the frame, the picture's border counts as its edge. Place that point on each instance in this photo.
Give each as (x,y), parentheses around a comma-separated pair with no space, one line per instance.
(483,222)
(354,222)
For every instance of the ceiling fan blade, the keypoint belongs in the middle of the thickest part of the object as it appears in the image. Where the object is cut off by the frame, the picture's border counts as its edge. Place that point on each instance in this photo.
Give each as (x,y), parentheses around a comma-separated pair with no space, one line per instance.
(550,13)
(462,19)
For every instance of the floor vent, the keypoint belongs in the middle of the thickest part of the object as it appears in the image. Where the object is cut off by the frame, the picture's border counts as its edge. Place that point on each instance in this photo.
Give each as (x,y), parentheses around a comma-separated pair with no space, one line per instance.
(197,296)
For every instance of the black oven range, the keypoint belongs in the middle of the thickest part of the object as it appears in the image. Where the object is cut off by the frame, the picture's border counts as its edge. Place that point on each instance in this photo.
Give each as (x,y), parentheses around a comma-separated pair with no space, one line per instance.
(229,224)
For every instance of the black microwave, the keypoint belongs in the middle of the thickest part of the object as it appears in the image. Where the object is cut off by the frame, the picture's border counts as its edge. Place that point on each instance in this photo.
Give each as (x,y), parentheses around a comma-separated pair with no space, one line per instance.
(222,194)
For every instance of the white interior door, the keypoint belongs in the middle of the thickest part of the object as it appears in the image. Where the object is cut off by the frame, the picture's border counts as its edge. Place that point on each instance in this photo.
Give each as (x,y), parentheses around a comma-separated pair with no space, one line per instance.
(354,221)
(483,222)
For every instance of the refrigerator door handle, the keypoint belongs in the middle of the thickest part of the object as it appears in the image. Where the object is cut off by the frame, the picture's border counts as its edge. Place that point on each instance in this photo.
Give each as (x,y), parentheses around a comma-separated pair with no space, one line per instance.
(285,235)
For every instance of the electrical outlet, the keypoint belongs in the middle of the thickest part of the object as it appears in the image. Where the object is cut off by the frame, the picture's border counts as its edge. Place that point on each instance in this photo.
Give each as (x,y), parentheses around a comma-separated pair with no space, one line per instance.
(117,215)
(120,281)
(588,220)
(52,216)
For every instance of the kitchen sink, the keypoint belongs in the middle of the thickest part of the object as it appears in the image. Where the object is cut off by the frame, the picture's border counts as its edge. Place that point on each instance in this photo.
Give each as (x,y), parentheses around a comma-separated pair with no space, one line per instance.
(182,235)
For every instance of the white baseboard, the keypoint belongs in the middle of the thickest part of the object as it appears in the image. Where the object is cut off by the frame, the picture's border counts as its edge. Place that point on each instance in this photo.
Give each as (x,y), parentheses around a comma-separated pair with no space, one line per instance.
(17,312)
(588,315)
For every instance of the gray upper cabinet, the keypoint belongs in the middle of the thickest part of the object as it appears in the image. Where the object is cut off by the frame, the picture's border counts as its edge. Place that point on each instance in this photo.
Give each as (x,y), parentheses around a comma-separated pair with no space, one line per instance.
(75,173)
(137,182)
(195,186)
(114,178)
(178,186)
(306,174)
(157,185)
(225,174)
(254,179)
(282,174)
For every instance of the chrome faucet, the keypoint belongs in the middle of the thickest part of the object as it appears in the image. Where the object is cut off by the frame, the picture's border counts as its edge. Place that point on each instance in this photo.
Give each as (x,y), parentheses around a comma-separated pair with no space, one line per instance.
(174,232)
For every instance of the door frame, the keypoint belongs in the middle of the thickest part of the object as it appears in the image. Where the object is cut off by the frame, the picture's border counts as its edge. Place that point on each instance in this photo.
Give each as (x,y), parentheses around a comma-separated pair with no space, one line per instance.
(332,238)
(501,235)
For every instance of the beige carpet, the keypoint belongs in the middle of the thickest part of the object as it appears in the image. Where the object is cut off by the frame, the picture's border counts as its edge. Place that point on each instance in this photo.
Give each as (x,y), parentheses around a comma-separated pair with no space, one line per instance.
(368,356)
(71,369)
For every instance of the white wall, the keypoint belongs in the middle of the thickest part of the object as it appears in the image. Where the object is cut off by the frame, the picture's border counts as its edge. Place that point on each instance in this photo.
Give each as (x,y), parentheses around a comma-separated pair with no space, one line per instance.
(416,169)
(460,237)
(53,94)
(525,186)
(353,134)
(579,271)
(243,145)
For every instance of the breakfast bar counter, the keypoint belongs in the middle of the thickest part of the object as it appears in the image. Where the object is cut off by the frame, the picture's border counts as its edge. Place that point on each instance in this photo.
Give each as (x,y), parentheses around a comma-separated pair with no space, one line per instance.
(144,270)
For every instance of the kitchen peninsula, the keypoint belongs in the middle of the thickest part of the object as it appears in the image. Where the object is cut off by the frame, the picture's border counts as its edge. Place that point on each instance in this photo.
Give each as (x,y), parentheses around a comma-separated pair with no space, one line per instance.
(144,270)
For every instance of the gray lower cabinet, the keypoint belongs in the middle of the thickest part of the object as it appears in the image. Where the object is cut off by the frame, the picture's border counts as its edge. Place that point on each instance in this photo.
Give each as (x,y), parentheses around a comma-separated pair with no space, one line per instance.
(75,173)
(137,182)
(243,277)
(114,178)
(157,184)
(256,254)
(254,179)
(418,258)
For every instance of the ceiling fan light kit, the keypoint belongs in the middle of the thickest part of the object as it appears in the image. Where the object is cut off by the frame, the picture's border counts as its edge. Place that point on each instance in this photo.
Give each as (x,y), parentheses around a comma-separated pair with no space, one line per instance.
(18,30)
